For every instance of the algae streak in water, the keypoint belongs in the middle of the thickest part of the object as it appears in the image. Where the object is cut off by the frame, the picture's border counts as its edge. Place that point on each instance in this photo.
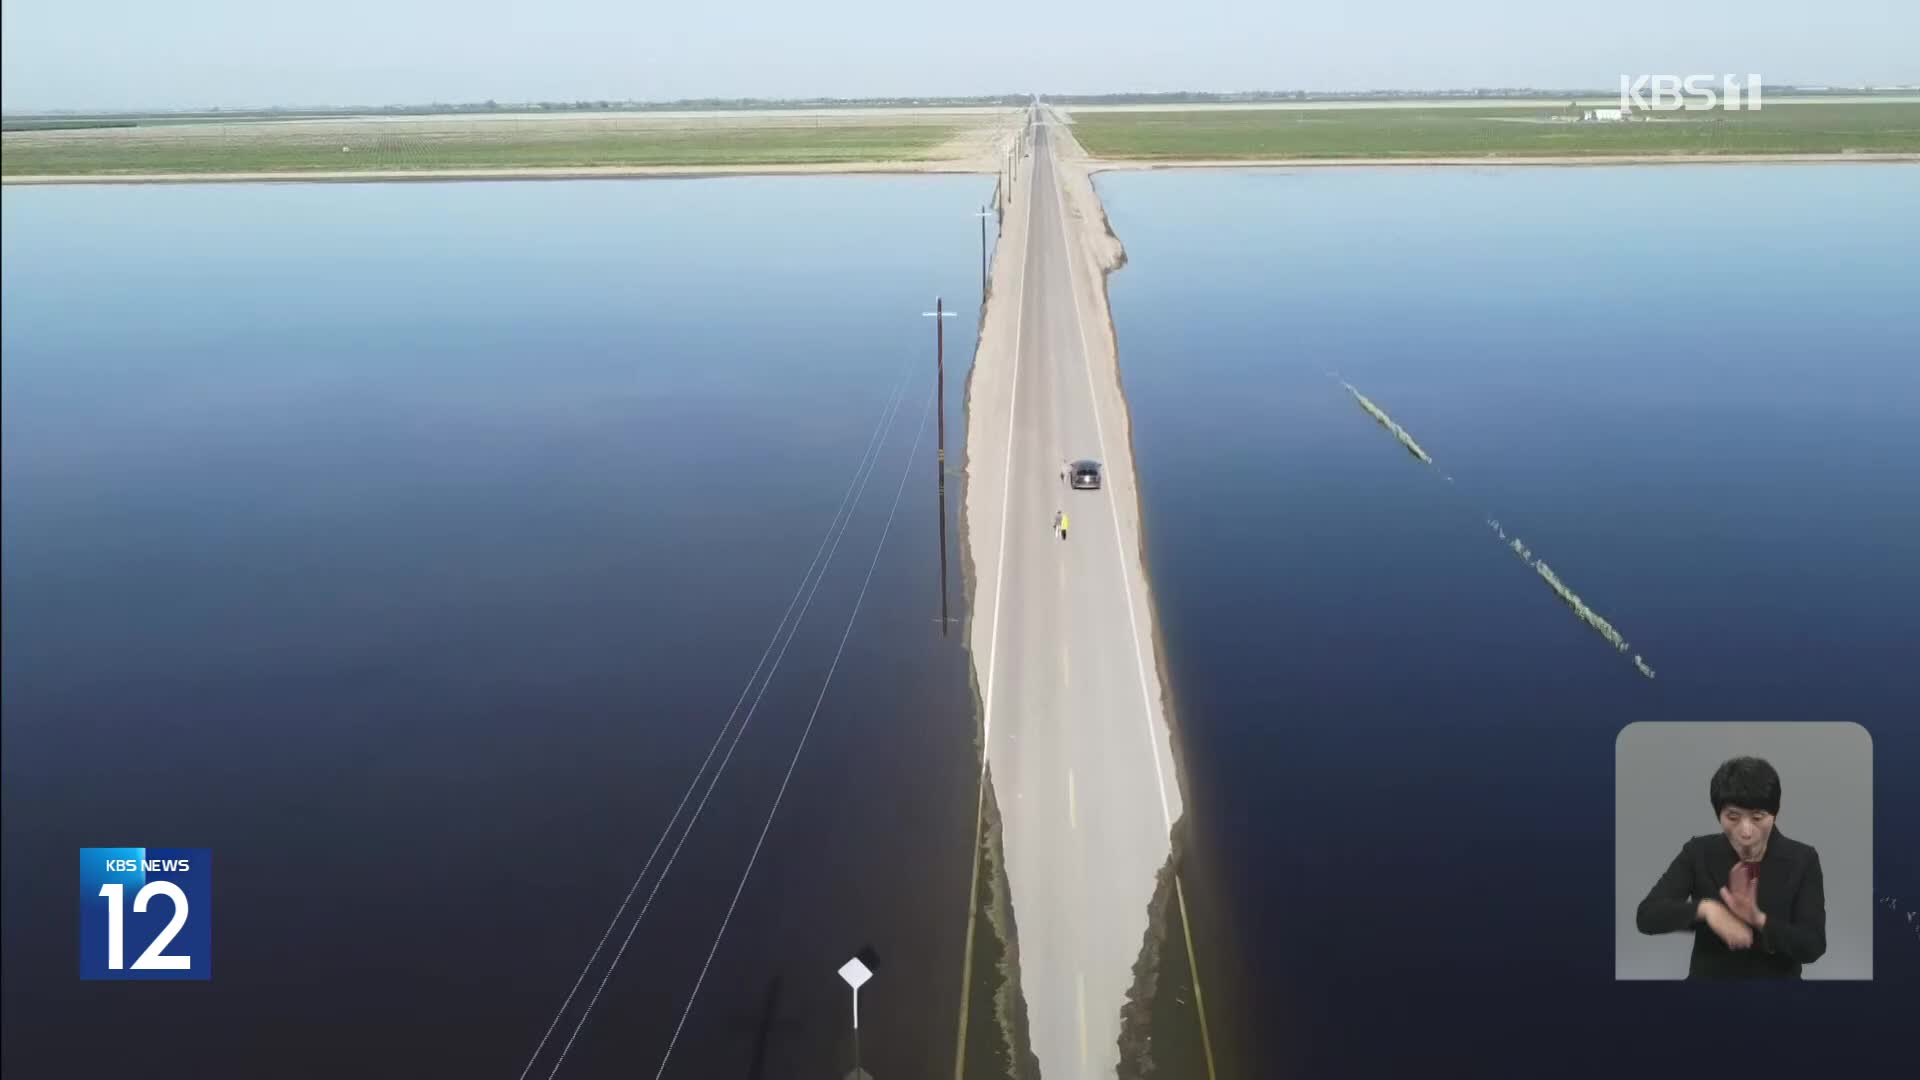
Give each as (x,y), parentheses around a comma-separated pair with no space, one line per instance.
(1386,421)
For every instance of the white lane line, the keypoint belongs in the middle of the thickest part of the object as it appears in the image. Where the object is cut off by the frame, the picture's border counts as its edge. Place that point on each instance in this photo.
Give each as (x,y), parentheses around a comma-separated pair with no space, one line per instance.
(1066,652)
(878,547)
(1152,746)
(1080,1007)
(1006,489)
(993,639)
(1126,584)
(868,458)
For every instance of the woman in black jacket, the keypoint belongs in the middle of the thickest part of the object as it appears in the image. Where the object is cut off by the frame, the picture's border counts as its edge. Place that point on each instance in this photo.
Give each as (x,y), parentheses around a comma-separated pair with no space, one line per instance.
(1754,899)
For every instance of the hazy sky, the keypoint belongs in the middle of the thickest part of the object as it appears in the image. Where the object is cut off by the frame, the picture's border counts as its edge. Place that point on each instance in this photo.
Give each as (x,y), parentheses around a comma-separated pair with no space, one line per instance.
(170,53)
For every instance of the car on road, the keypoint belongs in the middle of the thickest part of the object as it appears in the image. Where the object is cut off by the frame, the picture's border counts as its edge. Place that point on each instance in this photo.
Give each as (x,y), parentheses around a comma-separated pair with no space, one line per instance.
(1084,475)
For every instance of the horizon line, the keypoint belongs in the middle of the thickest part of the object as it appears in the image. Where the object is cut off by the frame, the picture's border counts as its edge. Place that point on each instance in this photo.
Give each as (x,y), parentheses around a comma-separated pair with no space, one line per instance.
(583,104)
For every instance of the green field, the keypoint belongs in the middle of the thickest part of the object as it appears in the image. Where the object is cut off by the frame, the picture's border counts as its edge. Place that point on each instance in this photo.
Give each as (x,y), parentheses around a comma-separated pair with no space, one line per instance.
(460,143)
(1469,132)
(62,124)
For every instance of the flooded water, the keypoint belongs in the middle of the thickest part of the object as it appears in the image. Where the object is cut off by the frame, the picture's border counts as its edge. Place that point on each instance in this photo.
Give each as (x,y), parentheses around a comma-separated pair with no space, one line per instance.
(1694,391)
(407,546)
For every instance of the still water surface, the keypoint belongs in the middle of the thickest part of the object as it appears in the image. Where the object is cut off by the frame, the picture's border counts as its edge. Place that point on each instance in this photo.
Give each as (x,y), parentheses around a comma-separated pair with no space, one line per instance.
(1696,393)
(407,546)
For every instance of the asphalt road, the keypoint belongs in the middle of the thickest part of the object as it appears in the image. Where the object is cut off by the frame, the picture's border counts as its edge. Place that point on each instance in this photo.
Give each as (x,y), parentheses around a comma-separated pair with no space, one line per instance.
(1076,739)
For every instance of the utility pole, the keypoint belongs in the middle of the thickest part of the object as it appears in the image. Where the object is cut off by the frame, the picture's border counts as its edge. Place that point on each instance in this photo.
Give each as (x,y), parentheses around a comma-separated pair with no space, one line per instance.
(940,315)
(983,215)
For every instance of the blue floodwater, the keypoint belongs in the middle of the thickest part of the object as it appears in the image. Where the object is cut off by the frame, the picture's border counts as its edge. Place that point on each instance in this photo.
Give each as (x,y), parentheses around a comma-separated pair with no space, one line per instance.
(407,545)
(1696,393)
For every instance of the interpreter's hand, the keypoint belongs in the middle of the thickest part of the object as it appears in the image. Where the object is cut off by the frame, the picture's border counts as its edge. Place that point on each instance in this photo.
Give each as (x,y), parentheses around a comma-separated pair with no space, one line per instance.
(1726,926)
(1741,897)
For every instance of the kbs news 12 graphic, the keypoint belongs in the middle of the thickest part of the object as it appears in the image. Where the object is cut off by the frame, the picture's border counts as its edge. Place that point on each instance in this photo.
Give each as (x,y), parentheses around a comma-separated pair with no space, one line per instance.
(146,913)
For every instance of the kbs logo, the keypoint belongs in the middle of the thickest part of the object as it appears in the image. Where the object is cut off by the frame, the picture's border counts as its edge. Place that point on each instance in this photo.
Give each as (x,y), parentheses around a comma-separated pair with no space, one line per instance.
(1668,93)
(146,913)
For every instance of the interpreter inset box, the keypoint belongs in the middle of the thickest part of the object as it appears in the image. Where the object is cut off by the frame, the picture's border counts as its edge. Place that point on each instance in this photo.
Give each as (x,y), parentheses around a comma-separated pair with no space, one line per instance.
(1743,850)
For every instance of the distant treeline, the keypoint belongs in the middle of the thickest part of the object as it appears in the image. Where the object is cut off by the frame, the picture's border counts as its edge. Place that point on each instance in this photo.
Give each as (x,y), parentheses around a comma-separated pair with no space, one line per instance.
(23,123)
(59,120)
(1210,97)
(1204,97)
(55,120)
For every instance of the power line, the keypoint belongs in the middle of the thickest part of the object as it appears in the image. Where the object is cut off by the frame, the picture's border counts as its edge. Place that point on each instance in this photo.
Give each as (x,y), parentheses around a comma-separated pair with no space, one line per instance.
(808,730)
(863,472)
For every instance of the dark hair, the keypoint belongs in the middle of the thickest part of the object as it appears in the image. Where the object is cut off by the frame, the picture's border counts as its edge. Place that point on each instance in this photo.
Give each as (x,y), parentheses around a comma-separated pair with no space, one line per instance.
(1747,782)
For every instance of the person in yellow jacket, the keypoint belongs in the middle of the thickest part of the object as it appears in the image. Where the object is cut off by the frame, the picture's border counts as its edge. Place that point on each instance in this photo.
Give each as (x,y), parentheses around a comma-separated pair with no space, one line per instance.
(1060,523)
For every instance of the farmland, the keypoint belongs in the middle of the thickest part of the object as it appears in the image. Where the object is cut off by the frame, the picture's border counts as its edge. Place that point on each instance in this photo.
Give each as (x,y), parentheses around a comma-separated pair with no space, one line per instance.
(1537,131)
(447,142)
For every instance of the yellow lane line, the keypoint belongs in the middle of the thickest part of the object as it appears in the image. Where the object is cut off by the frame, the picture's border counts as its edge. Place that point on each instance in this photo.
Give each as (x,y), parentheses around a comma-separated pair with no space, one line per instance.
(1193,968)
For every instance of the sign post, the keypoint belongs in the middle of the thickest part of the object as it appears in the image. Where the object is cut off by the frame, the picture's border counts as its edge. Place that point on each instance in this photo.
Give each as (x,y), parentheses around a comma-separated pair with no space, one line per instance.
(856,973)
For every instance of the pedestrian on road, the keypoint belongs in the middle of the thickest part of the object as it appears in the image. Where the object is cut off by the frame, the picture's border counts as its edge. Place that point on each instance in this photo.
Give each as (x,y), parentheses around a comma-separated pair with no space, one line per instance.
(1063,525)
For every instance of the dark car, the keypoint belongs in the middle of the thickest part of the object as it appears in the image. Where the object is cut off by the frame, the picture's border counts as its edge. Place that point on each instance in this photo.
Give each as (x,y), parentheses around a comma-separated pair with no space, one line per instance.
(1084,475)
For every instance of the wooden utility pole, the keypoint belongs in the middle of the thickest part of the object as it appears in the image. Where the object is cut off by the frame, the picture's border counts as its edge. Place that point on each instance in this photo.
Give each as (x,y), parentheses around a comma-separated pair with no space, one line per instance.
(940,315)
(983,215)
(940,370)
